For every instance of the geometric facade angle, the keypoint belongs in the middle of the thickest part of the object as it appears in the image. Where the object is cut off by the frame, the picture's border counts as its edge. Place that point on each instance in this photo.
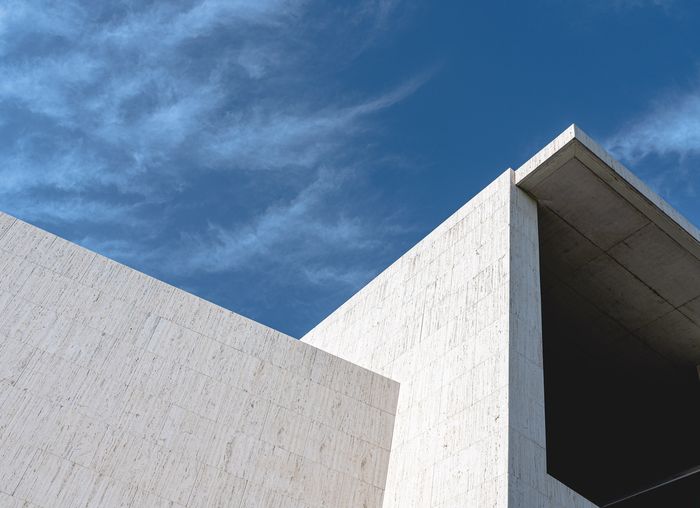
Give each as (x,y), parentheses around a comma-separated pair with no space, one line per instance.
(539,348)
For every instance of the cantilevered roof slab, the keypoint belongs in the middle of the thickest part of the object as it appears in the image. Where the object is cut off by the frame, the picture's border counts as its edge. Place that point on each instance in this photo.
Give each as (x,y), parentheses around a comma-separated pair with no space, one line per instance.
(616,243)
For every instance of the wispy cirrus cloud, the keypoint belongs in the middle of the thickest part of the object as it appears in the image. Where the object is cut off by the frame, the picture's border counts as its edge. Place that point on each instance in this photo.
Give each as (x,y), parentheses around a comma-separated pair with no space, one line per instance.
(220,249)
(271,138)
(664,144)
(131,88)
(196,136)
(671,127)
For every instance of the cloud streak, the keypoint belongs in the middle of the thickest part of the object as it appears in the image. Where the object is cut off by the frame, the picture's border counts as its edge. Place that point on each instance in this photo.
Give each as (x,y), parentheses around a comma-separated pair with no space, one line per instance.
(194,137)
(223,249)
(664,146)
(672,127)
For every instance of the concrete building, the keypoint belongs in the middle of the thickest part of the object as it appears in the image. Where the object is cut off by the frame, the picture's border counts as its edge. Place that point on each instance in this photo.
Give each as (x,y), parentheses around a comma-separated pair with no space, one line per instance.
(537,349)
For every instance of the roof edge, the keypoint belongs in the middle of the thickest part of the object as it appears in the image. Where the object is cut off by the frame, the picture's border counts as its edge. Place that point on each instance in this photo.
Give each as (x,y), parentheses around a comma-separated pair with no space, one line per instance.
(574,142)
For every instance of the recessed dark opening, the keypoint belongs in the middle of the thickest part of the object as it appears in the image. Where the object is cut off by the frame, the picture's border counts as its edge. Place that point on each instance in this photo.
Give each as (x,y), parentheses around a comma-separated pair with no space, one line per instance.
(620,417)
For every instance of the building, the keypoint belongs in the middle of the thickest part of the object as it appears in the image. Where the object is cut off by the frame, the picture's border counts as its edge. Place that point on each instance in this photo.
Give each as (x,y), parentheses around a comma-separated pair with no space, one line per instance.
(537,349)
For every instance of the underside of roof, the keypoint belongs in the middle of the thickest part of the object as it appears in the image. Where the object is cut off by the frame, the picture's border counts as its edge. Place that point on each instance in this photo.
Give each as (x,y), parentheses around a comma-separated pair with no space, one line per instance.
(618,245)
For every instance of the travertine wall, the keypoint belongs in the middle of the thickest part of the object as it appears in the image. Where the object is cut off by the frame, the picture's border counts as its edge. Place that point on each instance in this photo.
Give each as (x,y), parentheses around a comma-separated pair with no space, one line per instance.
(456,321)
(437,321)
(119,390)
(529,485)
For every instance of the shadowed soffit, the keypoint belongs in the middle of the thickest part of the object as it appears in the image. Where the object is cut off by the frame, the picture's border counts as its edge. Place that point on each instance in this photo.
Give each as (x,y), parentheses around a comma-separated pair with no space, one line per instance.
(617,244)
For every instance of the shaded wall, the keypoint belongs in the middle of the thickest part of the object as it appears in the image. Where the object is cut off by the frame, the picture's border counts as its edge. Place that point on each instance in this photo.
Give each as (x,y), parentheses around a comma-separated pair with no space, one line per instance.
(620,417)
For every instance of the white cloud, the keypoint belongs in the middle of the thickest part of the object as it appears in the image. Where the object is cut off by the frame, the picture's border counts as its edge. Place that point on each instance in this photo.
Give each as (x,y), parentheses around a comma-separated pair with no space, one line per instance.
(672,127)
(271,139)
(275,231)
(114,110)
(125,85)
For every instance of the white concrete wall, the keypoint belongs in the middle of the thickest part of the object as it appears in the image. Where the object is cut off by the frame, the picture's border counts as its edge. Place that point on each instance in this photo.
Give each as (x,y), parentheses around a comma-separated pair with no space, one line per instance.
(456,321)
(529,485)
(437,321)
(119,390)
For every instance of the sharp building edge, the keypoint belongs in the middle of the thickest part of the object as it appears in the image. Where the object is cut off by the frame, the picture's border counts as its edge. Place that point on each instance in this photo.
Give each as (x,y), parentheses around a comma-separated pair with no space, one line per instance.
(119,390)
(459,320)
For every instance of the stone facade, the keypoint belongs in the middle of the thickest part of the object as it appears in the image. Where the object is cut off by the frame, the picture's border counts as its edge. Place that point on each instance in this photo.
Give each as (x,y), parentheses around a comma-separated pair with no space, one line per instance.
(442,313)
(459,319)
(119,390)
(425,389)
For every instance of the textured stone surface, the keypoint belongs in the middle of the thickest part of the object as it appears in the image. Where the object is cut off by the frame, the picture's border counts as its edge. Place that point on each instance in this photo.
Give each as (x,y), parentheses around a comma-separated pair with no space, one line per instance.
(437,322)
(529,485)
(119,390)
(456,321)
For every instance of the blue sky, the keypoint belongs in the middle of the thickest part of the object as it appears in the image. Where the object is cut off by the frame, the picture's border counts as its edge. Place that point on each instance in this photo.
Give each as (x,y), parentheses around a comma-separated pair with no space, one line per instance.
(273,156)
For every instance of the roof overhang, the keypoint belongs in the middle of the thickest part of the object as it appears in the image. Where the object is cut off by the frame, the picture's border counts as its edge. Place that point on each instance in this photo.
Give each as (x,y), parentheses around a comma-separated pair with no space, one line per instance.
(617,243)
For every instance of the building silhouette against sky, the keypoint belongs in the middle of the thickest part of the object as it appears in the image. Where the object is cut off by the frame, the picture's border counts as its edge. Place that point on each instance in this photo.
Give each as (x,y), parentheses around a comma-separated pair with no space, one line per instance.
(537,349)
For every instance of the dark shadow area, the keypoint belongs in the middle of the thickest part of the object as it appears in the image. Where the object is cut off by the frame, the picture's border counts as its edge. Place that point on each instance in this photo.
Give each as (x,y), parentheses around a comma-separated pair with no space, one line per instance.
(620,417)
(681,493)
